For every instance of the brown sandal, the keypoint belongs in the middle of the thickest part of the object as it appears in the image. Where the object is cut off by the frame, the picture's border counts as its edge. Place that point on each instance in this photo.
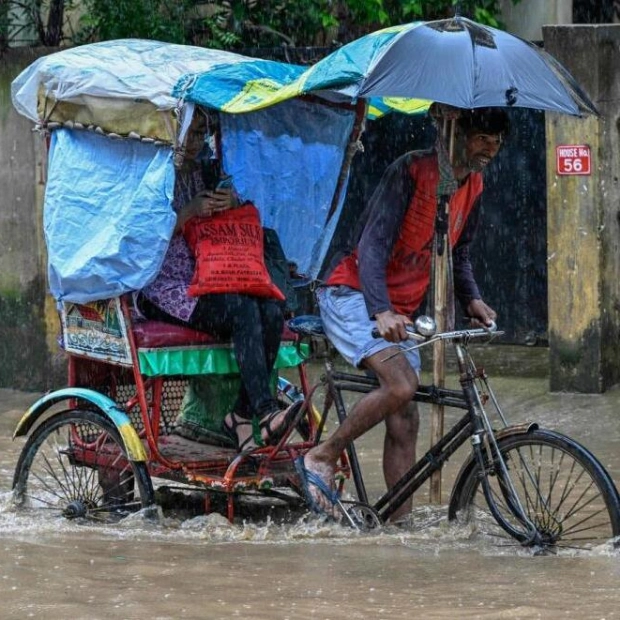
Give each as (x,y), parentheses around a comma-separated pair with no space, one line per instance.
(254,440)
(272,436)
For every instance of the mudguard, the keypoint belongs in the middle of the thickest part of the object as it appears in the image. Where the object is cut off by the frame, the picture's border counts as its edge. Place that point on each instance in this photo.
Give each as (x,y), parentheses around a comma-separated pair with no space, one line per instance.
(133,445)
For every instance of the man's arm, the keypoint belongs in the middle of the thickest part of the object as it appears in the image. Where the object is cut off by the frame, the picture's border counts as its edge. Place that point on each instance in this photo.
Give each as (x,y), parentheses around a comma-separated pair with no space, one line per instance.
(465,287)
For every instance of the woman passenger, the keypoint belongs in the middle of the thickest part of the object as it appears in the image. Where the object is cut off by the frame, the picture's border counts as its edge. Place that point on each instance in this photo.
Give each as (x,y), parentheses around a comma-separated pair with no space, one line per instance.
(254,324)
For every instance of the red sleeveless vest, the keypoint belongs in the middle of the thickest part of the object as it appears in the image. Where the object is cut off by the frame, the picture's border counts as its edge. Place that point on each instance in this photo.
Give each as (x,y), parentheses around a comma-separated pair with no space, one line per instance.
(408,269)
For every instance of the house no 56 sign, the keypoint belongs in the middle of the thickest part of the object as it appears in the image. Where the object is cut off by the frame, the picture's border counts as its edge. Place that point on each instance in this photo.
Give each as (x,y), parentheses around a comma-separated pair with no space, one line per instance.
(573,159)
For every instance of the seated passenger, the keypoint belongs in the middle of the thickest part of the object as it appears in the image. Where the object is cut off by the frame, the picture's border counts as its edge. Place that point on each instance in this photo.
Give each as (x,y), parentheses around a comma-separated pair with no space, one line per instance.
(253,323)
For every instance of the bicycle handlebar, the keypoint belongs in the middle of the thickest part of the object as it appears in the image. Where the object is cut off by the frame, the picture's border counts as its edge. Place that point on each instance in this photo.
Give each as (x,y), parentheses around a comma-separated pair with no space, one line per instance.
(411,333)
(461,334)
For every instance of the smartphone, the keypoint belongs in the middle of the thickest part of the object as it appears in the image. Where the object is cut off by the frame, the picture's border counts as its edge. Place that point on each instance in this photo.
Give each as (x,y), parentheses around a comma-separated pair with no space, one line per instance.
(224,183)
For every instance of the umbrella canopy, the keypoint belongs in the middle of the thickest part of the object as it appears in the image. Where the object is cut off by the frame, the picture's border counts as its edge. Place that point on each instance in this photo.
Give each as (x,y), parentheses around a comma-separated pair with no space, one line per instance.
(457,62)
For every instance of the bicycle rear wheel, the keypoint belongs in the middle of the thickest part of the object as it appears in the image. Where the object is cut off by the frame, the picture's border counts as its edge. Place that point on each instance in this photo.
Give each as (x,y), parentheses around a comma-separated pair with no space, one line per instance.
(75,465)
(563,489)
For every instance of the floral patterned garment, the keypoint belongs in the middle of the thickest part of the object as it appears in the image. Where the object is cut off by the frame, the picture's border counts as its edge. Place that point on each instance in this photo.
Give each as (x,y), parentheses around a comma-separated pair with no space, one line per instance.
(169,289)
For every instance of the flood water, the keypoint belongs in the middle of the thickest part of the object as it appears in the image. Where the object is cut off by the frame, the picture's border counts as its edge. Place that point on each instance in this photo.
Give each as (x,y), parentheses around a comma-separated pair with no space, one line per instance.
(204,567)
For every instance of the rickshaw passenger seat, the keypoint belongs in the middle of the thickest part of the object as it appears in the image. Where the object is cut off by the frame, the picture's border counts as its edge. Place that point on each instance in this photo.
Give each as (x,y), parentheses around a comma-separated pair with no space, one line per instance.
(159,334)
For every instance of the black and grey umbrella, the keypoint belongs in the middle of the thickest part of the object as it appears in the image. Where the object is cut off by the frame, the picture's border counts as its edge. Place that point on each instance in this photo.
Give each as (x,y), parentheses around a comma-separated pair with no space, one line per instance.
(453,61)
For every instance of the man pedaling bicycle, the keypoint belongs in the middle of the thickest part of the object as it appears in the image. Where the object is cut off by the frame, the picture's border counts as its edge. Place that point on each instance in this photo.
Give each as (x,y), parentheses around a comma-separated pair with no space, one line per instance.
(383,282)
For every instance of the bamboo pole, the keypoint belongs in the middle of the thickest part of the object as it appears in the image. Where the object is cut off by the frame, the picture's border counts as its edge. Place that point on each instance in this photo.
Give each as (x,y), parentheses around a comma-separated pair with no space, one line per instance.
(353,147)
(441,312)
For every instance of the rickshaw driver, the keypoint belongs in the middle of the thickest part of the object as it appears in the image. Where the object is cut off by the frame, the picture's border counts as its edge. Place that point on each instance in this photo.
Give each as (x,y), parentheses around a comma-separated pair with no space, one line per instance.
(254,324)
(384,281)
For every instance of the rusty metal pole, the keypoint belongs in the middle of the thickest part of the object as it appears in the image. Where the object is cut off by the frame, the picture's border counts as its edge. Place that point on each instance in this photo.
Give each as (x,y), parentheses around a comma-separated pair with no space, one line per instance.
(441,257)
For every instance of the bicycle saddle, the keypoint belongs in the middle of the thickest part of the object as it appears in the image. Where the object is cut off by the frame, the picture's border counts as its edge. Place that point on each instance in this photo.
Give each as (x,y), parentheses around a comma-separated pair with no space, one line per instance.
(307,325)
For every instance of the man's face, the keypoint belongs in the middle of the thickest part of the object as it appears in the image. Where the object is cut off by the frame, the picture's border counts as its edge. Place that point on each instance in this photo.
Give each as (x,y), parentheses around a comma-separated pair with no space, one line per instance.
(480,149)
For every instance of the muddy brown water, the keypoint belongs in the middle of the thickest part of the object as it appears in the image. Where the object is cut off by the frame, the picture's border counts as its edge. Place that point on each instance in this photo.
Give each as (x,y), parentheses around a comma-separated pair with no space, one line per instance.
(204,567)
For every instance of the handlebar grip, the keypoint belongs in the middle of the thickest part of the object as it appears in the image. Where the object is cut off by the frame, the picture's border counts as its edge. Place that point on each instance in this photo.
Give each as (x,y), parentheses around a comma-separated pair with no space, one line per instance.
(490,328)
(409,328)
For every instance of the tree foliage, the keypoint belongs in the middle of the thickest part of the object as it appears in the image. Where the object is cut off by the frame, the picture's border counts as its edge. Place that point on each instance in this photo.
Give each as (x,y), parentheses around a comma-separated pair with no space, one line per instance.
(144,19)
(232,24)
(18,18)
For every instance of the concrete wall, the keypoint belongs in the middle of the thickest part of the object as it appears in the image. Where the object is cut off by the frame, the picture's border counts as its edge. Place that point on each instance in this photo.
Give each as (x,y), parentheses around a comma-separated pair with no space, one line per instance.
(527,18)
(27,319)
(584,218)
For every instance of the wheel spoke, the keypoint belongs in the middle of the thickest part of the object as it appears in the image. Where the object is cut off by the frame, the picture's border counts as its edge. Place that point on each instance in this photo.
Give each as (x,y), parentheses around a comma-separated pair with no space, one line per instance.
(74,464)
(51,471)
(562,490)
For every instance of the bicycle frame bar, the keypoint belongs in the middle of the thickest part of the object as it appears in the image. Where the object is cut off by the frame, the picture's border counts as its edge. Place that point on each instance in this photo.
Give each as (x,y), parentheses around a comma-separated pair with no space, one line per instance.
(432,461)
(474,424)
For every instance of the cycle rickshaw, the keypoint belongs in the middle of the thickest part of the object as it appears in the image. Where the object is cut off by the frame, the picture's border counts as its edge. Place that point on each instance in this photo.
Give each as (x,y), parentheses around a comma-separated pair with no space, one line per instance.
(97,449)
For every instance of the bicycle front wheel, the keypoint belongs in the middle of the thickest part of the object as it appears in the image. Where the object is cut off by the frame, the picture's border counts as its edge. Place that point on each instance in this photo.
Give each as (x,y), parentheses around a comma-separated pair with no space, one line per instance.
(74,465)
(561,488)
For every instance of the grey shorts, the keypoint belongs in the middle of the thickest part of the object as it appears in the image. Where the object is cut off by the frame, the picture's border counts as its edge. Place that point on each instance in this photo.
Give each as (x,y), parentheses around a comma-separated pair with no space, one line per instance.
(346,323)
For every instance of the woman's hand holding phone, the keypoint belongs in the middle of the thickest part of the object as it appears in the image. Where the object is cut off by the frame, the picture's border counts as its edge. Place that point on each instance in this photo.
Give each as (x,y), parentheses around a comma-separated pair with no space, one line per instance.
(207,202)
(220,199)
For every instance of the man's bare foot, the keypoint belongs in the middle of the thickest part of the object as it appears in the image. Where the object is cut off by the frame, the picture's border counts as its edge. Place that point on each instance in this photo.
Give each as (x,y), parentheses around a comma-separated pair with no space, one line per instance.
(319,484)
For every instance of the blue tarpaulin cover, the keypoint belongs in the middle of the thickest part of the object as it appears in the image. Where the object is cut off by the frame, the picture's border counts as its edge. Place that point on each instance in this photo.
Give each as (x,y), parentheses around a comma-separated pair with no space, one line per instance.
(108,216)
(289,170)
(108,204)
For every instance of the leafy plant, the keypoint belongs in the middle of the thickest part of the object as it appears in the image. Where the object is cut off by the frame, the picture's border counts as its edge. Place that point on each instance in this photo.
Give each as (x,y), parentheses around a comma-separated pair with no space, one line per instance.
(391,12)
(162,20)
(229,24)
(20,20)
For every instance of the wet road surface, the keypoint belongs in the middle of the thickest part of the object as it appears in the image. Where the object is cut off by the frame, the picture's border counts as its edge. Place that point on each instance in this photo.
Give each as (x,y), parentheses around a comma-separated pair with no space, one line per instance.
(204,567)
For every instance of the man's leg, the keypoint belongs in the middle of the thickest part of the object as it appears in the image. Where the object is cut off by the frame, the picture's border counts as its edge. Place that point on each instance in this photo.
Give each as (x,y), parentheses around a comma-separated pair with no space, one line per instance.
(397,385)
(399,445)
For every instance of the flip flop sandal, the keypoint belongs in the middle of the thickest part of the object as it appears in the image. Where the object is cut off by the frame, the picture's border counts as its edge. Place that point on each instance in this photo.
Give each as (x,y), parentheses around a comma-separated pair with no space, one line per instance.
(307,478)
